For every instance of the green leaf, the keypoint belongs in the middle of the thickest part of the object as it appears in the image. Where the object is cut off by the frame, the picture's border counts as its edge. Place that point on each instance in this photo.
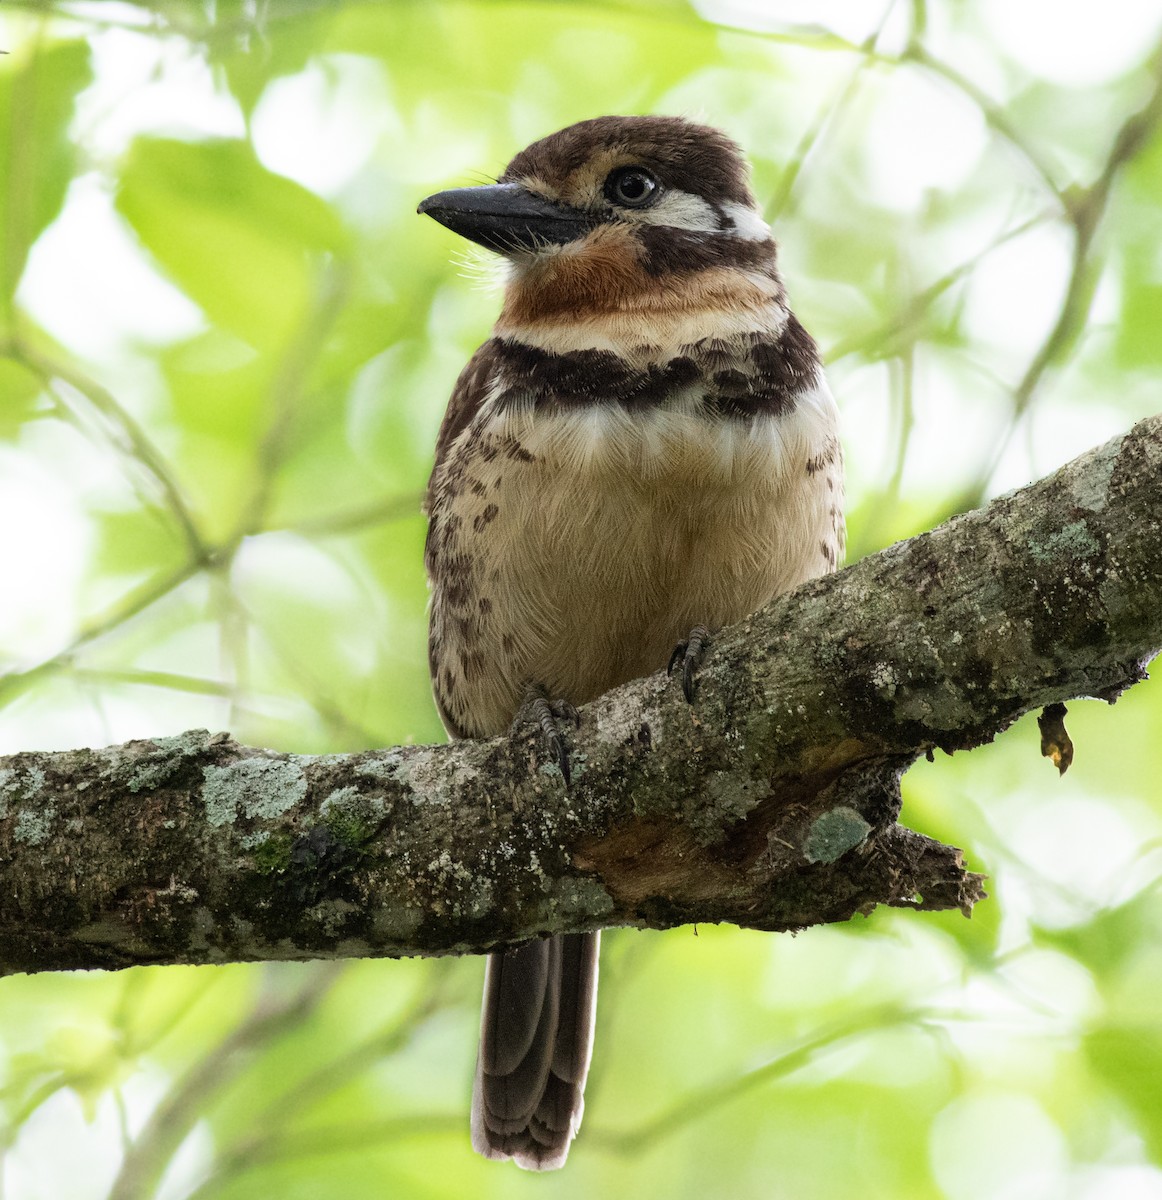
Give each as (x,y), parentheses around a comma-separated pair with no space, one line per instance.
(559,45)
(1113,936)
(1138,343)
(241,241)
(137,541)
(1129,1059)
(21,398)
(258,54)
(218,386)
(38,90)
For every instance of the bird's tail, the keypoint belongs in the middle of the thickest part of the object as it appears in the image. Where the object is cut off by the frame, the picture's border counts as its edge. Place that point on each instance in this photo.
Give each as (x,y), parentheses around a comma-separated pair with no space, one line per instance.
(536,1036)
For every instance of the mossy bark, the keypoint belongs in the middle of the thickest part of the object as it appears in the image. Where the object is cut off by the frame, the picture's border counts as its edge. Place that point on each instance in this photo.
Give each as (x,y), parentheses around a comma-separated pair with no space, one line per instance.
(772,802)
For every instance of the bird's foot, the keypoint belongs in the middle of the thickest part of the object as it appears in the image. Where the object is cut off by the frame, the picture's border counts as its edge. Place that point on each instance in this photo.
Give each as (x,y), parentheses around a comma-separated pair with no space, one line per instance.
(538,709)
(689,653)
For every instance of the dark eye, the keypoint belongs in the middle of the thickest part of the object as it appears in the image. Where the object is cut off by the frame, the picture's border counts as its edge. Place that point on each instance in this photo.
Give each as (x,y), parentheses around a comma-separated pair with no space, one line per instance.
(631,187)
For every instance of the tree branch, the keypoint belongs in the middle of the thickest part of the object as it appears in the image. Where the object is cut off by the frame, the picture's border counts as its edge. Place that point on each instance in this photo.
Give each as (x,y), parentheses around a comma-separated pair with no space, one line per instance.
(770,803)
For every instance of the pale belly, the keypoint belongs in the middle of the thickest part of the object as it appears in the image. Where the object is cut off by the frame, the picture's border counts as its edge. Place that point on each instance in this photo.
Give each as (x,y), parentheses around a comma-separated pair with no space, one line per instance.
(580,566)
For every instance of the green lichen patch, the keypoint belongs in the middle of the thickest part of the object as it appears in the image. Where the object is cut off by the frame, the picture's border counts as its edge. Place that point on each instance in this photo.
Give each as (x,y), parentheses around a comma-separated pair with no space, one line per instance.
(351,816)
(34,826)
(1071,541)
(835,833)
(1091,487)
(581,898)
(253,788)
(725,800)
(18,784)
(384,765)
(156,766)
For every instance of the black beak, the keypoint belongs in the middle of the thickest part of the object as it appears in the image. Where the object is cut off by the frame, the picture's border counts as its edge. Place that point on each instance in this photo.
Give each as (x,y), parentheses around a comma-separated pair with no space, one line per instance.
(506,217)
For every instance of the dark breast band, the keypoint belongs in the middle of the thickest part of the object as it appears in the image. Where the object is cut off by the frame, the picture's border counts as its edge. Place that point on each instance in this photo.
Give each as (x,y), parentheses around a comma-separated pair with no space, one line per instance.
(750,375)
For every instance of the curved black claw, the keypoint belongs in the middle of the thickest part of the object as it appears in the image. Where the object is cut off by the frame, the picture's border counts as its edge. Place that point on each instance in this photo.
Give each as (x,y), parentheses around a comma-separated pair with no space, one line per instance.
(537,709)
(689,653)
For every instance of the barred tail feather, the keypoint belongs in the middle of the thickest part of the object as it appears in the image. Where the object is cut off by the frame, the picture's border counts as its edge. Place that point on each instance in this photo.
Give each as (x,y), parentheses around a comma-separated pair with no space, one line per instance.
(536,1038)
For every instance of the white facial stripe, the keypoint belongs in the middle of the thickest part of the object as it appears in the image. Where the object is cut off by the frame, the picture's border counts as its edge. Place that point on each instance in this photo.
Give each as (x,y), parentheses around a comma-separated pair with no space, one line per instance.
(684,210)
(748,224)
(680,210)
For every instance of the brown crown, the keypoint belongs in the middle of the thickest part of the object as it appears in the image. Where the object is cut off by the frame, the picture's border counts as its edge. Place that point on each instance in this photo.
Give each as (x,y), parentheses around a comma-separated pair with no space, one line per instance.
(688,157)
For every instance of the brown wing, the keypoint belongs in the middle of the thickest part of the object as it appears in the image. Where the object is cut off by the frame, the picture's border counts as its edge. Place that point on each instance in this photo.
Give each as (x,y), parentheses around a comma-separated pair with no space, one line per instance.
(444,554)
(467,397)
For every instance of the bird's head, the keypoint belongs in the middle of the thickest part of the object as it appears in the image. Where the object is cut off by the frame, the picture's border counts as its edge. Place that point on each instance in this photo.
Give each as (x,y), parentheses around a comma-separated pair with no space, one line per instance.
(619,213)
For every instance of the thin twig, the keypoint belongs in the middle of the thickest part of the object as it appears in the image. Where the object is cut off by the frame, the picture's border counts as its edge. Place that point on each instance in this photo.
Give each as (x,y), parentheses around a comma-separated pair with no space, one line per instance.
(1085,209)
(171,680)
(830,112)
(172,1120)
(699,1104)
(993,113)
(129,606)
(349,1137)
(289,383)
(132,440)
(377,512)
(270,1137)
(901,327)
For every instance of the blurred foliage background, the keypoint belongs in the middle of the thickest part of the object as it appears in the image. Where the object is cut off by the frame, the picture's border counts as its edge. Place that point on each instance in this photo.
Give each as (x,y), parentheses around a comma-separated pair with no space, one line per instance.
(225,345)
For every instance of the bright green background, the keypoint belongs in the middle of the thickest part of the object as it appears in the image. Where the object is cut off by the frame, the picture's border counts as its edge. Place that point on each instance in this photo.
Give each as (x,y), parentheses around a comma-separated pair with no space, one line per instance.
(227,342)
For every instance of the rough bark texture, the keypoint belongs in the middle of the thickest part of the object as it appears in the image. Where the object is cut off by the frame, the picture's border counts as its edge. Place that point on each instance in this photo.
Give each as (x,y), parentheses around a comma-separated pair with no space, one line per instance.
(771,803)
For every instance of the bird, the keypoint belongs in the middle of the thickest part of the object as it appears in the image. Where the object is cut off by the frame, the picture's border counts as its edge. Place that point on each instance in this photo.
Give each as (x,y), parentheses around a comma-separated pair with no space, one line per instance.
(644,451)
